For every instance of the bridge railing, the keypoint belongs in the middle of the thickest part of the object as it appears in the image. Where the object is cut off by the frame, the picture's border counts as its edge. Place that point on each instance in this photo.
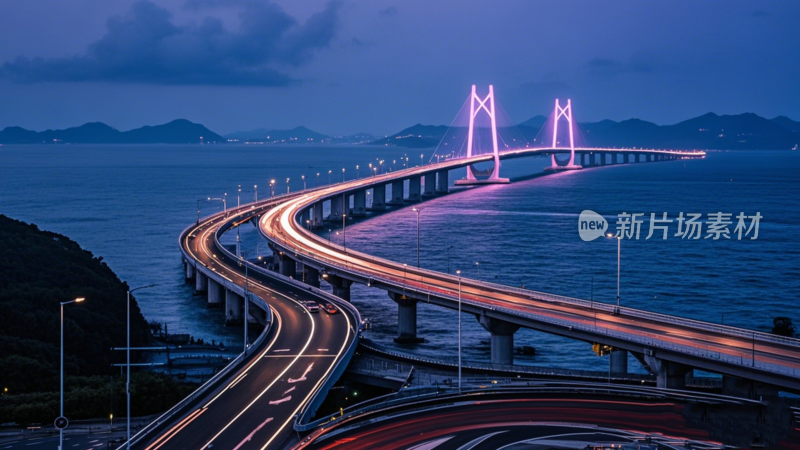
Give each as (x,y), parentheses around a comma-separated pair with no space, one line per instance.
(736,357)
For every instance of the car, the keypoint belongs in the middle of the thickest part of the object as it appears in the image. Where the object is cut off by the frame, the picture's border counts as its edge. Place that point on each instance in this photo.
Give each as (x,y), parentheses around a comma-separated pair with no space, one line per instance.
(312,307)
(192,236)
(329,308)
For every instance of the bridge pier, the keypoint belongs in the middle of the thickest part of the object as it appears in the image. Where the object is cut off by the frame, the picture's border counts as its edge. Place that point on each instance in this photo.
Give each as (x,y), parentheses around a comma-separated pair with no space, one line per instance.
(234,305)
(397,192)
(305,218)
(316,215)
(286,266)
(414,189)
(430,185)
(189,267)
(311,276)
(628,158)
(341,286)
(669,374)
(200,282)
(442,182)
(360,203)
(216,294)
(379,197)
(406,319)
(337,208)
(619,362)
(502,338)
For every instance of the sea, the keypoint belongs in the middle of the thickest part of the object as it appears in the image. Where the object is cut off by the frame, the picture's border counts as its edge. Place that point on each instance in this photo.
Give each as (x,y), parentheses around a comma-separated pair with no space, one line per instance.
(129,203)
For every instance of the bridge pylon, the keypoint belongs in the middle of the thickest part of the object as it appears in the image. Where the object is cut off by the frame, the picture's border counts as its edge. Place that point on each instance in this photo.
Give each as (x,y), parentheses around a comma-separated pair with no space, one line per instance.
(476,104)
(565,112)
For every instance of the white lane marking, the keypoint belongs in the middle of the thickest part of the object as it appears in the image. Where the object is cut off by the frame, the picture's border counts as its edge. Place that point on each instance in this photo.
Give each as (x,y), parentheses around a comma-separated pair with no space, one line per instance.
(303,378)
(431,444)
(274,339)
(299,356)
(237,380)
(282,350)
(322,350)
(278,402)
(283,372)
(250,436)
(290,390)
(175,430)
(474,443)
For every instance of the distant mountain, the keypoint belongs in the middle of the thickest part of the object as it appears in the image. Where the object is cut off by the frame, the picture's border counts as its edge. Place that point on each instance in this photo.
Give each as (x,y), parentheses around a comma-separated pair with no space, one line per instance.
(787,123)
(417,136)
(179,131)
(709,131)
(297,135)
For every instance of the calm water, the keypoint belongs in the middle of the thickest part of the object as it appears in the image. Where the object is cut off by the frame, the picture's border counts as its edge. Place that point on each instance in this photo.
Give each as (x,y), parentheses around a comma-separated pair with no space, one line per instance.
(129,203)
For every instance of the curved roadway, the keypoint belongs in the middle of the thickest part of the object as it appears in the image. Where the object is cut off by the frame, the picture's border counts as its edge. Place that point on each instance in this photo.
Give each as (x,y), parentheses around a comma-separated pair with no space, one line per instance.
(699,344)
(255,408)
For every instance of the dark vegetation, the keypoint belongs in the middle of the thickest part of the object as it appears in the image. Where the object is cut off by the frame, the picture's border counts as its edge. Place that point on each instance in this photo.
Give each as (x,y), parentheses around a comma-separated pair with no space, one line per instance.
(38,270)
(783,326)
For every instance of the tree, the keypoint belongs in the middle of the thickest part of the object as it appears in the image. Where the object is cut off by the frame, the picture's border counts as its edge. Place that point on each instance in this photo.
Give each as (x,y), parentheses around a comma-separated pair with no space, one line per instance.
(782,326)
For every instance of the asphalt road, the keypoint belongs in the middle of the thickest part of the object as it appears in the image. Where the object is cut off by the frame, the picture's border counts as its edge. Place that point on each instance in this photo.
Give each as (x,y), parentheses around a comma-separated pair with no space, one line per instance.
(254,409)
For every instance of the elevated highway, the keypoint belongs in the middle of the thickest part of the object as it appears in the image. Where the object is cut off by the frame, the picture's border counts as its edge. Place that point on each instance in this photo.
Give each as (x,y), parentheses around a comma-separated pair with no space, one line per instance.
(669,346)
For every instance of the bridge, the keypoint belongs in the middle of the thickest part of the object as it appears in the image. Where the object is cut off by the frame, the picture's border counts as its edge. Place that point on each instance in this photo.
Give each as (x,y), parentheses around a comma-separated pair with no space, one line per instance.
(668,346)
(283,377)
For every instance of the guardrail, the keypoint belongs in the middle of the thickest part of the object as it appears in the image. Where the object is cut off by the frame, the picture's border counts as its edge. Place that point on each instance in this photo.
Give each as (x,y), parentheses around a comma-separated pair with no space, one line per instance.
(341,364)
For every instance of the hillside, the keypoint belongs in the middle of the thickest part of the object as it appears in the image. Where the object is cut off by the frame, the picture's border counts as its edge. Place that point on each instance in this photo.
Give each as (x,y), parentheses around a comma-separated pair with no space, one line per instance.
(746,131)
(179,131)
(38,270)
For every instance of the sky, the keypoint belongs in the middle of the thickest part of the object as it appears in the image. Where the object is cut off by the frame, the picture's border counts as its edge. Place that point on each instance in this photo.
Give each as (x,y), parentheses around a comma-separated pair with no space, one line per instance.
(377,66)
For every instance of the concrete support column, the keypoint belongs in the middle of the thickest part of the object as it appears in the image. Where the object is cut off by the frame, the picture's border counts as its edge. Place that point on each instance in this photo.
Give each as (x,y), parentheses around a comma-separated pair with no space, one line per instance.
(216,294)
(379,197)
(189,270)
(414,189)
(337,208)
(628,158)
(502,338)
(200,282)
(316,215)
(442,182)
(311,276)
(430,185)
(619,362)
(286,266)
(649,158)
(341,286)
(397,192)
(360,203)
(234,307)
(406,319)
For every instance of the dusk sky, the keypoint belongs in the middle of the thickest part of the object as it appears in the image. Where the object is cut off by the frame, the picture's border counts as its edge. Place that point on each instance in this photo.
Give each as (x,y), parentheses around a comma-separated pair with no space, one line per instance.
(379,66)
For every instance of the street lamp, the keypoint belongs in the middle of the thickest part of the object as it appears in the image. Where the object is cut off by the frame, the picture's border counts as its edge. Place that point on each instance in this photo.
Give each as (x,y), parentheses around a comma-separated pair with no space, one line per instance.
(342,174)
(619,247)
(238,195)
(287,185)
(417,210)
(61,430)
(128,360)
(421,156)
(317,179)
(478,266)
(329,176)
(255,193)
(458,272)
(272,188)
(358,172)
(344,232)
(224,201)
(243,262)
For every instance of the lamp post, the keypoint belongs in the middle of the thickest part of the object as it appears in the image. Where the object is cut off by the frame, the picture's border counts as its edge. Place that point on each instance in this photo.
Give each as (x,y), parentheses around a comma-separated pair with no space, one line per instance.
(329,176)
(238,196)
(272,188)
(317,179)
(458,272)
(198,211)
(61,414)
(417,210)
(344,232)
(128,361)
(342,174)
(619,247)
(421,156)
(224,201)
(243,262)
(255,193)
(358,172)
(287,185)
(303,177)
(478,266)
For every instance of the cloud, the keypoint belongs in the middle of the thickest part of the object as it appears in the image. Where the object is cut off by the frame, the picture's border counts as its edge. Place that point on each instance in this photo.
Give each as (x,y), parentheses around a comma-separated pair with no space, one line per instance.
(638,63)
(146,46)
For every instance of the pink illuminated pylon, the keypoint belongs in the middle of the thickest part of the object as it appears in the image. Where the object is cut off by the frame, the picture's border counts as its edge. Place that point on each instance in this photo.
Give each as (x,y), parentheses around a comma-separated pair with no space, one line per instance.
(473,112)
(565,112)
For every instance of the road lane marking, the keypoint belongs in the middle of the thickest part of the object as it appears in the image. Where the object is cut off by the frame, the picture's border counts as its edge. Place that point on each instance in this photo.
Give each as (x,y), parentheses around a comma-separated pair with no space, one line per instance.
(250,436)
(299,356)
(280,375)
(302,378)
(278,402)
(282,350)
(237,380)
(322,350)
(177,428)
(290,390)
